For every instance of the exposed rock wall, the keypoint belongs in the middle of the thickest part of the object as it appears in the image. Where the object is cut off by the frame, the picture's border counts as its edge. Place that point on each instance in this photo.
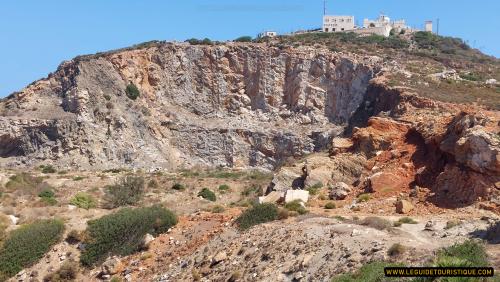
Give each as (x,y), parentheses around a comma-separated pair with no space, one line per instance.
(228,105)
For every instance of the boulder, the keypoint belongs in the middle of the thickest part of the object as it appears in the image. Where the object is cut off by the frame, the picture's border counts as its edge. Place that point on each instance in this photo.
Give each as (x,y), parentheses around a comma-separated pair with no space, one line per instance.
(111,266)
(340,145)
(272,197)
(403,206)
(339,191)
(148,238)
(287,178)
(383,182)
(219,257)
(318,169)
(292,195)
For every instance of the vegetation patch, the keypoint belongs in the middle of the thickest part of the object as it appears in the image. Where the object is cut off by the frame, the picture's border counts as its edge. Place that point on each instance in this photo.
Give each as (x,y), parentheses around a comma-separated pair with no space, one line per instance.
(396,250)
(452,223)
(47,196)
(376,222)
(330,206)
(224,188)
(178,187)
(48,169)
(363,198)
(407,220)
(296,206)
(132,91)
(218,209)
(25,183)
(257,214)
(244,39)
(83,201)
(207,194)
(121,233)
(129,190)
(67,272)
(26,245)
(314,190)
(467,254)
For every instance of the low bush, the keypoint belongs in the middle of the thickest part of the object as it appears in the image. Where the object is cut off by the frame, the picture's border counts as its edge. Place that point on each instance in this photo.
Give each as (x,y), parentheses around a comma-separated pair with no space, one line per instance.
(452,223)
(78,178)
(243,39)
(178,187)
(224,188)
(74,237)
(364,198)
(296,206)
(330,206)
(218,209)
(207,194)
(194,41)
(396,250)
(121,233)
(67,272)
(467,254)
(83,201)
(25,183)
(407,220)
(376,222)
(47,196)
(129,190)
(26,245)
(48,169)
(153,183)
(257,214)
(313,190)
(132,91)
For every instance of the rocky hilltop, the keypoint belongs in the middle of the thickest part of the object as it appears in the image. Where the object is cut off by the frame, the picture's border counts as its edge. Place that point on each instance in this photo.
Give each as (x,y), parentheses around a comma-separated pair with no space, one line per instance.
(231,106)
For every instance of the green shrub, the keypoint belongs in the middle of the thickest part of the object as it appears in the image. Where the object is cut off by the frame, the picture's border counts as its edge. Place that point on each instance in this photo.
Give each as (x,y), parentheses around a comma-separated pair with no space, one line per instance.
(47,193)
(153,183)
(467,254)
(224,188)
(243,39)
(313,190)
(407,220)
(452,223)
(127,191)
(67,272)
(396,250)
(83,201)
(48,169)
(364,198)
(78,178)
(296,206)
(26,245)
(330,206)
(207,194)
(371,272)
(49,201)
(194,41)
(257,214)
(121,233)
(26,183)
(179,187)
(218,209)
(376,222)
(132,91)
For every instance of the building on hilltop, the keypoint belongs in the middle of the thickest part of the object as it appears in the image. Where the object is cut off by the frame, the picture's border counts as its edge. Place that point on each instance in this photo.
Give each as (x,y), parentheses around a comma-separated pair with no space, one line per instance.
(338,23)
(268,33)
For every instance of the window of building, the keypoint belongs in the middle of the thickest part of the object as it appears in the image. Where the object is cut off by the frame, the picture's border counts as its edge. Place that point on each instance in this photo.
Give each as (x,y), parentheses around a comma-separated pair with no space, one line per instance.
(342,29)
(333,29)
(326,29)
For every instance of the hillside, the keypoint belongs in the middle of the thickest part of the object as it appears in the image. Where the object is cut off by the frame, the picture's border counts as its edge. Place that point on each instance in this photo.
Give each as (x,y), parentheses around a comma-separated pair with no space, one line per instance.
(309,157)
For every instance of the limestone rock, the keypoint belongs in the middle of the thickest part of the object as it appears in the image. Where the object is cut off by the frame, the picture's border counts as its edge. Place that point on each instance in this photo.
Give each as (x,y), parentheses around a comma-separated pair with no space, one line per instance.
(339,191)
(292,195)
(272,197)
(403,206)
(111,266)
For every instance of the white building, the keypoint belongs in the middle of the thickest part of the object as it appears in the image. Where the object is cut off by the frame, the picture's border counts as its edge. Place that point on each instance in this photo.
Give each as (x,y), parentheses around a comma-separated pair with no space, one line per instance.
(382,26)
(428,26)
(268,34)
(338,23)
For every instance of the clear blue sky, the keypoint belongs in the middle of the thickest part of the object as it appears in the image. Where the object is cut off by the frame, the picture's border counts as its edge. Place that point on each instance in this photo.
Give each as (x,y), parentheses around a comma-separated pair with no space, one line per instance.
(37,35)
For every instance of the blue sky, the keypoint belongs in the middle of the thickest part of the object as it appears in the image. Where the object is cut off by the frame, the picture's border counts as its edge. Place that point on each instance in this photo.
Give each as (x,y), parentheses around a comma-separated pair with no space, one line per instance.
(36,36)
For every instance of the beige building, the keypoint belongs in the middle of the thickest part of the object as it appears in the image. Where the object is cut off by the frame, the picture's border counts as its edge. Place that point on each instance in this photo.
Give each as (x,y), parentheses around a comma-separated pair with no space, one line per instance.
(338,23)
(428,26)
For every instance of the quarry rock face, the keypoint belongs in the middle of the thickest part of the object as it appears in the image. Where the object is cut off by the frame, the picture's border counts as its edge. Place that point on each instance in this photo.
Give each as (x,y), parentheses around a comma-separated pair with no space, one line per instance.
(228,105)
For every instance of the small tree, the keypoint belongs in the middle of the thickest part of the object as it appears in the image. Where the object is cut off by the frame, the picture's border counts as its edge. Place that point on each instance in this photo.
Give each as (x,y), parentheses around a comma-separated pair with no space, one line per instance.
(132,91)
(127,191)
(244,39)
(207,194)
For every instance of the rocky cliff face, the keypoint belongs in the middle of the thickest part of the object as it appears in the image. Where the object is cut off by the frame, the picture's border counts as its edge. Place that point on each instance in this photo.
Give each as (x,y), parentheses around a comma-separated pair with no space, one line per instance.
(228,105)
